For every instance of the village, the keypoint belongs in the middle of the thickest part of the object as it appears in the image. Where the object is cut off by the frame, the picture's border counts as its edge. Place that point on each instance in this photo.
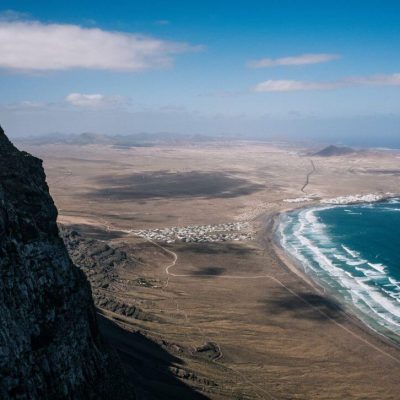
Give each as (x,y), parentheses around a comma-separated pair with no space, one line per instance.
(234,231)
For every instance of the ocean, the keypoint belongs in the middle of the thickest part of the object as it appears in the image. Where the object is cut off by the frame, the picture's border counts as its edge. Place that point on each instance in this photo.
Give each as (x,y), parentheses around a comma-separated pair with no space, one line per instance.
(353,252)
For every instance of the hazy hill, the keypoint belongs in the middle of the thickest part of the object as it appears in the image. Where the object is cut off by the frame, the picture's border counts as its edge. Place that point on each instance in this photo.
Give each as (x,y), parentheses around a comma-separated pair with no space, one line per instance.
(332,151)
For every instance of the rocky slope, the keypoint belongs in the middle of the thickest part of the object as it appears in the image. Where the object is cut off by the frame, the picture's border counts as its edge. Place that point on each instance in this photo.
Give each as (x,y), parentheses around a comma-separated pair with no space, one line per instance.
(50,346)
(102,264)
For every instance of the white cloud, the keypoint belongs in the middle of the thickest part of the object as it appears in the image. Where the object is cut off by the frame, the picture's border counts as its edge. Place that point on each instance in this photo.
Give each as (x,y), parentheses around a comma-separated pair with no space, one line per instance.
(30,104)
(303,59)
(293,85)
(33,46)
(72,101)
(25,105)
(376,80)
(95,100)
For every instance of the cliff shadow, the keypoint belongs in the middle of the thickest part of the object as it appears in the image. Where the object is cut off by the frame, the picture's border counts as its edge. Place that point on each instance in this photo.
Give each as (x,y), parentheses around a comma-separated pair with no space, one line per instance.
(310,306)
(148,365)
(208,272)
(216,248)
(94,232)
(173,185)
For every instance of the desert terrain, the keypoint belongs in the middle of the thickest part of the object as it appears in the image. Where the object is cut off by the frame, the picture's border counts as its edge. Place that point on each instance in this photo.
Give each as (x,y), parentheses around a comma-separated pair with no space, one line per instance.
(177,242)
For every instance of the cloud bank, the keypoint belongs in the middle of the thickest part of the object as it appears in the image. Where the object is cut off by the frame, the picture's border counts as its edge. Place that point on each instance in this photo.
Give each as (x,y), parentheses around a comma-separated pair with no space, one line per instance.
(95,100)
(34,46)
(303,59)
(293,85)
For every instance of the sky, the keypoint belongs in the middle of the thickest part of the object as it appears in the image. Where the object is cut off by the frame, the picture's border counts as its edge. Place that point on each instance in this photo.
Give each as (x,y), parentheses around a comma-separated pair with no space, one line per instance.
(322,70)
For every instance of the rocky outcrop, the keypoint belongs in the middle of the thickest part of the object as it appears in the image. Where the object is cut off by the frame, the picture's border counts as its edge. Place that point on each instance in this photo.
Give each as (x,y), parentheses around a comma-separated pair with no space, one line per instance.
(50,346)
(102,264)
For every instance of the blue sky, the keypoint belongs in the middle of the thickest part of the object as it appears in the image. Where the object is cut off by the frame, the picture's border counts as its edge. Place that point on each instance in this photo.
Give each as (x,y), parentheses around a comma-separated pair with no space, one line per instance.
(329,70)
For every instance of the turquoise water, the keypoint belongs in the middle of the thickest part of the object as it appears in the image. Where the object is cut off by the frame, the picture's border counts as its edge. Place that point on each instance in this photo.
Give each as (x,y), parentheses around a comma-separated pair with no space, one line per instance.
(354,252)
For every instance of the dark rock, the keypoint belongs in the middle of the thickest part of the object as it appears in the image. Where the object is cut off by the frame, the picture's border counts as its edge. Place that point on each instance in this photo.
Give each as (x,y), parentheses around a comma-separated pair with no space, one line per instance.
(50,345)
(102,263)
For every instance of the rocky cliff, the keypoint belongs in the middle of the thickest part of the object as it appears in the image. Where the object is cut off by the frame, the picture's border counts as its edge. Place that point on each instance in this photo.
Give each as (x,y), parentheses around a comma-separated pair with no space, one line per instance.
(50,346)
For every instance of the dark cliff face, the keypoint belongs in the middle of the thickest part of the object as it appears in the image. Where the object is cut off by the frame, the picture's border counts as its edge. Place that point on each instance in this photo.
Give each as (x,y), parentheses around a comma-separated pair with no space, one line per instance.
(50,346)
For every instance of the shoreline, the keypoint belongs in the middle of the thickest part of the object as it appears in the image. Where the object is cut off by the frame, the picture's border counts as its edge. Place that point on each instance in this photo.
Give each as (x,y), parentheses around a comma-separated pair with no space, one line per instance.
(268,235)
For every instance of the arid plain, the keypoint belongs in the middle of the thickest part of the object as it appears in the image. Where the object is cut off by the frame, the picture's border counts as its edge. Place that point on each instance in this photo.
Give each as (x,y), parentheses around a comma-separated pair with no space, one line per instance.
(225,318)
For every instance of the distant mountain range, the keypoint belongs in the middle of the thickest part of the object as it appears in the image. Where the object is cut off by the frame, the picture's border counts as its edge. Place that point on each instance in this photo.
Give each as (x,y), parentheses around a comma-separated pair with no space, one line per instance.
(122,141)
(165,138)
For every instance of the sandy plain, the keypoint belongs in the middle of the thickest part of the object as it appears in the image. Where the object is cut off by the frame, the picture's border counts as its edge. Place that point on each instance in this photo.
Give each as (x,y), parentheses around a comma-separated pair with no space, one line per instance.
(226,320)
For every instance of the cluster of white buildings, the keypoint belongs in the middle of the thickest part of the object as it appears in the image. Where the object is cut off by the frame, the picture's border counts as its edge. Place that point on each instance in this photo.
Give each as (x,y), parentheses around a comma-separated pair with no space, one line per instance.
(351,199)
(233,231)
(358,198)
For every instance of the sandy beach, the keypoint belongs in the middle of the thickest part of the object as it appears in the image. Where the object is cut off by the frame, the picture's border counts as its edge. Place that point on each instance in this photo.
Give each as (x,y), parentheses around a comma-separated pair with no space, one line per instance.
(296,268)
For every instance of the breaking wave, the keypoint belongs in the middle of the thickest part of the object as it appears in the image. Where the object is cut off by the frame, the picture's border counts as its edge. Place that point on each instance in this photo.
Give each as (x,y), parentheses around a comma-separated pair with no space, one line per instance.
(353,252)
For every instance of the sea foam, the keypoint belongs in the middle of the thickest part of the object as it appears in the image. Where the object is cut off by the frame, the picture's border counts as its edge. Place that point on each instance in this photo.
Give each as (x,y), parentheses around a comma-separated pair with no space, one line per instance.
(364,284)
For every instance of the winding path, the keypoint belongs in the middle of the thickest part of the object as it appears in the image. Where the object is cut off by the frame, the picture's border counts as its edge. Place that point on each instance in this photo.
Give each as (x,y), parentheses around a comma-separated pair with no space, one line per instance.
(308,176)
